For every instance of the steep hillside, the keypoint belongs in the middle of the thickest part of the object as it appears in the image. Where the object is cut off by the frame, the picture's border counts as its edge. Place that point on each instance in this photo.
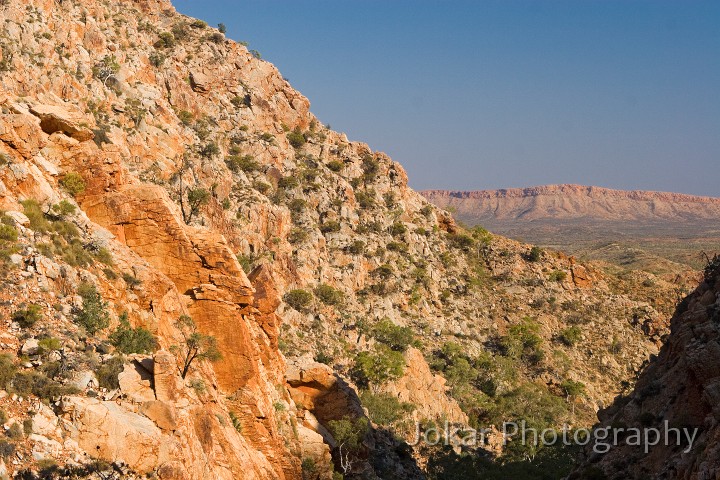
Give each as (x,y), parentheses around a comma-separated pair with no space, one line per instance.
(677,390)
(155,172)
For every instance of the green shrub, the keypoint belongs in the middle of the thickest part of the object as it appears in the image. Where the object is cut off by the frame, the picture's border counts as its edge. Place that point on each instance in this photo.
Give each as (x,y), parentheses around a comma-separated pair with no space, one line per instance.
(400,247)
(14,432)
(570,336)
(328,295)
(262,187)
(384,271)
(185,117)
(49,344)
(298,299)
(297,235)
(335,165)
(131,280)
(7,449)
(461,241)
(377,367)
(106,68)
(572,388)
(348,432)
(28,426)
(8,233)
(209,150)
(557,276)
(396,337)
(245,163)
(330,227)
(73,183)
(34,212)
(365,199)
(64,209)
(384,408)
(166,40)
(370,168)
(309,469)
(7,371)
(523,342)
(288,182)
(196,198)
(297,205)
(237,424)
(296,139)
(28,316)
(38,384)
(180,31)
(104,256)
(93,315)
(244,101)
(157,59)
(535,254)
(132,340)
(357,247)
(107,373)
(397,229)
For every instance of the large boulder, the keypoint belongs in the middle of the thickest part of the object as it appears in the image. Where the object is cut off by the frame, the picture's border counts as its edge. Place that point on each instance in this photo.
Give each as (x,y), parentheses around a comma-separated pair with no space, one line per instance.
(54,118)
(108,431)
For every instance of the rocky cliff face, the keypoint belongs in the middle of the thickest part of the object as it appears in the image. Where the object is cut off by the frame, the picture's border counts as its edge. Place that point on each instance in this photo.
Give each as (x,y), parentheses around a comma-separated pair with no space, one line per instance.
(145,156)
(678,390)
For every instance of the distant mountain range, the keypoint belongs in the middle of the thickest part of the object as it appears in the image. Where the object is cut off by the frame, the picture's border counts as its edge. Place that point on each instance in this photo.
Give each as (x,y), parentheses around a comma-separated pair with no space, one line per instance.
(574,203)
(586,220)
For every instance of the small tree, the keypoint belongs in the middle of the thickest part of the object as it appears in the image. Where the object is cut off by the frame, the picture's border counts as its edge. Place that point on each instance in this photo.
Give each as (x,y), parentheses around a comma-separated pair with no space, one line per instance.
(106,68)
(298,299)
(93,315)
(349,435)
(328,295)
(196,198)
(28,316)
(195,346)
(373,369)
(73,183)
(396,337)
(535,254)
(63,209)
(132,340)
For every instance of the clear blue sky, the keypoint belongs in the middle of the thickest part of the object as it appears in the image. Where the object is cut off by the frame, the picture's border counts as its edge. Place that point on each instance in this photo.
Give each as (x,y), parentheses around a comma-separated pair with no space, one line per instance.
(493,94)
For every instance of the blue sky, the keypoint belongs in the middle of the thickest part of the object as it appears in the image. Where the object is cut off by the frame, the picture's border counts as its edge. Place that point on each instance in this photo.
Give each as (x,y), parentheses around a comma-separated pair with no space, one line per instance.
(496,94)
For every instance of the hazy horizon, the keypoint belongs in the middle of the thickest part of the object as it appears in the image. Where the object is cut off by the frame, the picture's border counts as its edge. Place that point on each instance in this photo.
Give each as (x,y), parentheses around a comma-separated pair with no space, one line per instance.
(506,94)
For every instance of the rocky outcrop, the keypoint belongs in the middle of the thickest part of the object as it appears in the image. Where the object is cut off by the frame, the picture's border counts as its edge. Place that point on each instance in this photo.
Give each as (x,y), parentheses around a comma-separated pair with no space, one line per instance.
(678,389)
(55,118)
(419,386)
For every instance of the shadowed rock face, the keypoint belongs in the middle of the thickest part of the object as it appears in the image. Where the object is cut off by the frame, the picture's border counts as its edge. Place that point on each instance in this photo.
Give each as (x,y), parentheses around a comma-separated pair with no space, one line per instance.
(680,388)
